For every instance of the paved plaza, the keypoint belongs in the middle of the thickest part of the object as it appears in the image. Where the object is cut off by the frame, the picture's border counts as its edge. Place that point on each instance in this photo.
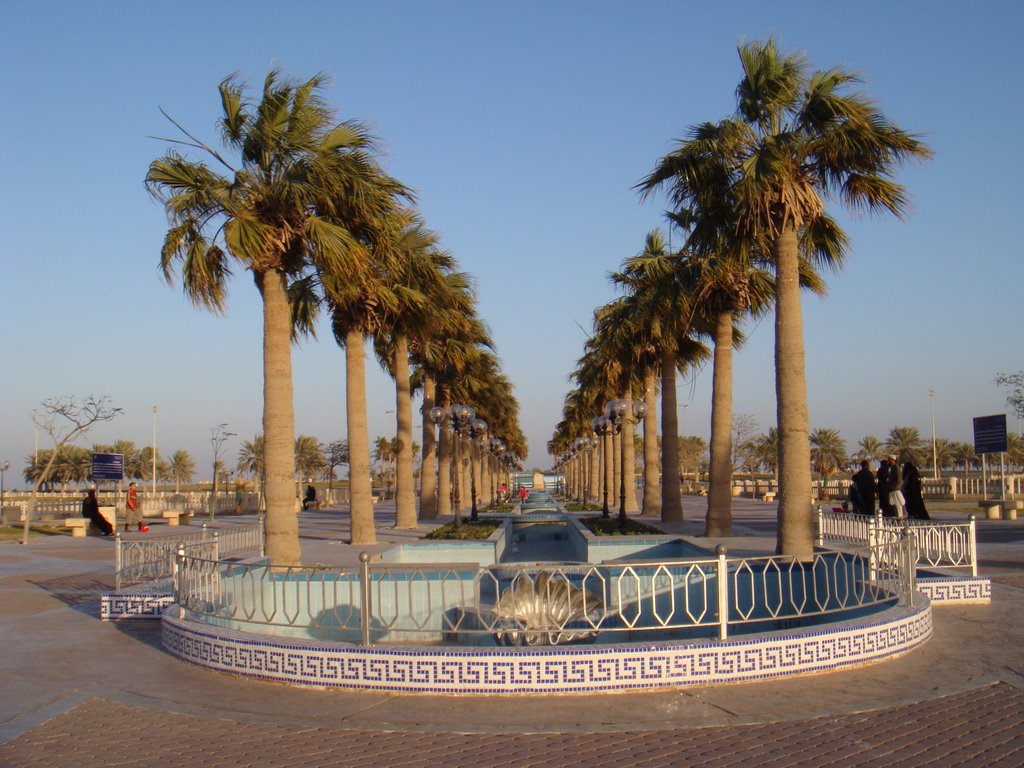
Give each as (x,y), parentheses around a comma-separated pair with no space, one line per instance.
(81,692)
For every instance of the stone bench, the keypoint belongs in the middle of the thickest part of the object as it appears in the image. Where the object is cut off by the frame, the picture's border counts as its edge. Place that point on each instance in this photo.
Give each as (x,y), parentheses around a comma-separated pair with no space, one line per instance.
(79,526)
(1010,509)
(992,508)
(769,496)
(177,518)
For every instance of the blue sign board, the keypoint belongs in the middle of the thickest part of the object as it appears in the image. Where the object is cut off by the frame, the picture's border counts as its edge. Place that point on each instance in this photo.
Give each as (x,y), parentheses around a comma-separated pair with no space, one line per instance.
(108,466)
(990,434)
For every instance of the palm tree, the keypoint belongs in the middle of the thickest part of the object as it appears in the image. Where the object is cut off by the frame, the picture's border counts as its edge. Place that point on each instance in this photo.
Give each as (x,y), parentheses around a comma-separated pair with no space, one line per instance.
(419,274)
(943,454)
(133,468)
(384,454)
(965,454)
(906,443)
(183,468)
(284,209)
(828,452)
(871,448)
(655,321)
(766,448)
(250,457)
(309,459)
(797,139)
(453,339)
(1014,450)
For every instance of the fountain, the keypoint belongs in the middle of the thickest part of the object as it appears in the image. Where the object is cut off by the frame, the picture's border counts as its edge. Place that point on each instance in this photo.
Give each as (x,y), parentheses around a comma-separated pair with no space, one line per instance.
(605,614)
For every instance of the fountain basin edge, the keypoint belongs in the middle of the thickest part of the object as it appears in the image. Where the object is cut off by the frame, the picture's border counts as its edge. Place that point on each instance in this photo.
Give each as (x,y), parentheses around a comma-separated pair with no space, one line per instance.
(550,669)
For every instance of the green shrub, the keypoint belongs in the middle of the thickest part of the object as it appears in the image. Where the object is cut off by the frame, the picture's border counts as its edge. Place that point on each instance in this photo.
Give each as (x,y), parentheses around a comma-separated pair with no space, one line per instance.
(481,529)
(609,526)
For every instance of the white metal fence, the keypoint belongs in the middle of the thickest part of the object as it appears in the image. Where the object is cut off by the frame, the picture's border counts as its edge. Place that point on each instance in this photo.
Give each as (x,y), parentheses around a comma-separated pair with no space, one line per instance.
(545,604)
(937,544)
(137,561)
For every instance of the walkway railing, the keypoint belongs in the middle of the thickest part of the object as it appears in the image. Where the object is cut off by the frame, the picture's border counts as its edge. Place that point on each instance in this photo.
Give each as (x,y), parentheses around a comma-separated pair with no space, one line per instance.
(137,561)
(939,544)
(544,605)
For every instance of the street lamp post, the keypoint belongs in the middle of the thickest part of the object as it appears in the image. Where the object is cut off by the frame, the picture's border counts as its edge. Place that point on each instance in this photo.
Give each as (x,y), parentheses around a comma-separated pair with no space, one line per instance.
(618,411)
(477,432)
(437,415)
(615,411)
(582,447)
(496,449)
(3,470)
(935,452)
(461,417)
(603,427)
(154,451)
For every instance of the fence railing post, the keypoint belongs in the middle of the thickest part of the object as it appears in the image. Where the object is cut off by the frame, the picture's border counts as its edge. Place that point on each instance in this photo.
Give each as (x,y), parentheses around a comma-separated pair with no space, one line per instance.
(723,593)
(974,547)
(118,560)
(909,557)
(821,526)
(364,602)
(179,566)
(262,522)
(873,526)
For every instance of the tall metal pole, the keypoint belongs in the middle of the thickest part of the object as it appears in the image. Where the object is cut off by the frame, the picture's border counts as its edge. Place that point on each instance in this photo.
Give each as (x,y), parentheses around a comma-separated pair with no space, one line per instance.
(456,477)
(154,451)
(935,452)
(3,471)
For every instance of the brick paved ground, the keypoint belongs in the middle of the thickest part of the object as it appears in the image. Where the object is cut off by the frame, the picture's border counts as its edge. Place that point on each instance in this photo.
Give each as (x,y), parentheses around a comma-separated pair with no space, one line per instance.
(78,692)
(983,728)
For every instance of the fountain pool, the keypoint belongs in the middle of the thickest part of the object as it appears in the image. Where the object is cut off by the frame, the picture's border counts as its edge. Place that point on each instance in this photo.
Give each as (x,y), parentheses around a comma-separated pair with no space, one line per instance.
(615,615)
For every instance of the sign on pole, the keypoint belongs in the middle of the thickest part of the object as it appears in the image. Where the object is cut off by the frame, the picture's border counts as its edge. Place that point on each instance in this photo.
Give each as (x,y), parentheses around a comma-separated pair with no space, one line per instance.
(108,466)
(990,434)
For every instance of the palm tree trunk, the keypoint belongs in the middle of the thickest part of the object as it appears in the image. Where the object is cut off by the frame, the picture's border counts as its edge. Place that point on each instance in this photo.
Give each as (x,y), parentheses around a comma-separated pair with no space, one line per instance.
(360,485)
(444,461)
(405,491)
(428,468)
(796,525)
(652,491)
(281,524)
(719,515)
(614,491)
(608,459)
(671,499)
(629,458)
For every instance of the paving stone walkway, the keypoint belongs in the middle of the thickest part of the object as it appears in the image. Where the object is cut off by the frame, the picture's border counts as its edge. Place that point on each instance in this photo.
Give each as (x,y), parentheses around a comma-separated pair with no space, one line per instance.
(78,692)
(980,728)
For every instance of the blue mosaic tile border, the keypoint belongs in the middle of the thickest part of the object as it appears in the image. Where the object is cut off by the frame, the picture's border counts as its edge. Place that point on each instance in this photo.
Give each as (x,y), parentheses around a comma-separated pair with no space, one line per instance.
(117,606)
(588,669)
(956,589)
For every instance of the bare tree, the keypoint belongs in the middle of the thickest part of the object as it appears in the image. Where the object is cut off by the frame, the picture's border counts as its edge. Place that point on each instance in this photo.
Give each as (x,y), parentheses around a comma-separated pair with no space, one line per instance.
(744,426)
(64,419)
(1015,383)
(335,455)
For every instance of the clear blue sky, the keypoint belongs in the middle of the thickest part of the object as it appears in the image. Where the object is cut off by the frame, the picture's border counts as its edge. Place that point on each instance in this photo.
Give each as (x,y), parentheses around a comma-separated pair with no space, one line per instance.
(523,127)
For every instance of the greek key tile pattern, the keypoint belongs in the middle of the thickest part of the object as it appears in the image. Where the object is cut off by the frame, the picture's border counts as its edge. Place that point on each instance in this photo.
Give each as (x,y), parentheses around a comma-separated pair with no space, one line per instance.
(117,606)
(548,670)
(957,590)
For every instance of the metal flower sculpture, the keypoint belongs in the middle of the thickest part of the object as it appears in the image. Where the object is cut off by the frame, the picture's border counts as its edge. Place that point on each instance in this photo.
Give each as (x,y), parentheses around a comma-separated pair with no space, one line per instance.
(539,611)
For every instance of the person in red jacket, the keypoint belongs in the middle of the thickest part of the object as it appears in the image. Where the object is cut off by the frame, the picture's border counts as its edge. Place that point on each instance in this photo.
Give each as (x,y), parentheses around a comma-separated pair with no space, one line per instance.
(134,508)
